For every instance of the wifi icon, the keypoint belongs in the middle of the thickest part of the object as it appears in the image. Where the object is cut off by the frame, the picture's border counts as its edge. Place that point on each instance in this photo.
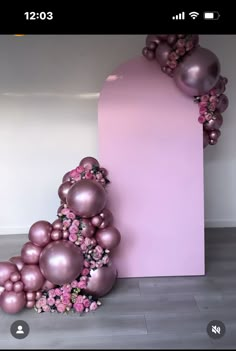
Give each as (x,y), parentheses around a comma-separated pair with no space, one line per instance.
(193,14)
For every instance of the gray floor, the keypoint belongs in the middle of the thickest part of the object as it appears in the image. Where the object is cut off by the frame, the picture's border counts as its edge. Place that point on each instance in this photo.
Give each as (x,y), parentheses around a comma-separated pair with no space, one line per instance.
(145,313)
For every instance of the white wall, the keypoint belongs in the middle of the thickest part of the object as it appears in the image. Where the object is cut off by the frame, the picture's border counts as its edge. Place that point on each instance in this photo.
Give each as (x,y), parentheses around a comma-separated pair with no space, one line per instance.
(49,87)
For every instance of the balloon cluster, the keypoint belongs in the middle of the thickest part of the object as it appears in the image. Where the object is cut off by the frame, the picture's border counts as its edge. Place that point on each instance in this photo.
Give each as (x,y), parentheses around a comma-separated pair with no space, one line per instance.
(196,72)
(66,265)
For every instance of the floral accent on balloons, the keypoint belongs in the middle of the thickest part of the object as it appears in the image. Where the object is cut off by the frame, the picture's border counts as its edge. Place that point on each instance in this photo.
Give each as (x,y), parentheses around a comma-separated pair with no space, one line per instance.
(66,266)
(196,72)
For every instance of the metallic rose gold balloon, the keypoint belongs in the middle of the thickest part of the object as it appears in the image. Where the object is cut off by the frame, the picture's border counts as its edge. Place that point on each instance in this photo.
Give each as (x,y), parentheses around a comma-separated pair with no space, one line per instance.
(88,229)
(223,103)
(162,52)
(56,234)
(39,233)
(214,123)
(15,277)
(96,221)
(205,139)
(57,224)
(61,262)
(30,296)
(60,208)
(8,285)
(1,289)
(65,234)
(30,304)
(107,218)
(18,286)
(86,198)
(17,260)
(6,269)
(12,302)
(63,190)
(66,177)
(101,281)
(32,278)
(108,238)
(48,285)
(38,295)
(152,38)
(214,134)
(89,162)
(198,72)
(30,253)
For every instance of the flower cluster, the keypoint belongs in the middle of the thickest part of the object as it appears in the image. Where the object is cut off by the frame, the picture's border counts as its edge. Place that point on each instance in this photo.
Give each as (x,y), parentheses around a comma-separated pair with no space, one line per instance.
(66,298)
(96,173)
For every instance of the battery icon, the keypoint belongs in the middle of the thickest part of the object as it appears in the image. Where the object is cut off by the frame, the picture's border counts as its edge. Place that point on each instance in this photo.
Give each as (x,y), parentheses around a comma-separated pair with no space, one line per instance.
(213,15)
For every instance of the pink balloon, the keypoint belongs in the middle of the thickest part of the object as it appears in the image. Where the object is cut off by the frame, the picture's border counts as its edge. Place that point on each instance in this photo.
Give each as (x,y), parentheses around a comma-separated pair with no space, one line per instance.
(17,260)
(60,209)
(56,234)
(96,221)
(30,296)
(39,233)
(63,190)
(15,277)
(223,103)
(86,198)
(108,238)
(162,52)
(32,278)
(89,162)
(214,123)
(152,38)
(57,224)
(66,177)
(38,295)
(30,253)
(1,289)
(30,304)
(8,285)
(65,234)
(107,218)
(61,262)
(88,229)
(48,285)
(12,302)
(18,286)
(214,134)
(6,269)
(198,72)
(101,281)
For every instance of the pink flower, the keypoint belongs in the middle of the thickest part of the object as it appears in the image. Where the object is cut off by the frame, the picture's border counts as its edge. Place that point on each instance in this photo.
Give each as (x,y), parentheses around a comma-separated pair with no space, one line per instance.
(65,211)
(73,237)
(97,256)
(46,308)
(86,264)
(105,259)
(67,223)
(73,229)
(79,299)
(212,106)
(83,278)
(89,175)
(61,307)
(86,303)
(58,292)
(85,271)
(73,173)
(204,97)
(82,284)
(202,110)
(79,307)
(92,264)
(203,104)
(93,306)
(87,241)
(57,302)
(83,247)
(77,178)
(201,119)
(74,284)
(71,215)
(41,302)
(38,304)
(65,299)
(75,222)
(50,301)
(52,293)
(81,239)
(99,175)
(213,99)
(66,288)
(99,264)
(80,169)
(99,249)
(93,241)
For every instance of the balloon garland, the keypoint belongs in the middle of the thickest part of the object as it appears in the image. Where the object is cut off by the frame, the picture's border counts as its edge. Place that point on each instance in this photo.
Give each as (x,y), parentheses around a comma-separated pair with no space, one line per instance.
(196,72)
(66,266)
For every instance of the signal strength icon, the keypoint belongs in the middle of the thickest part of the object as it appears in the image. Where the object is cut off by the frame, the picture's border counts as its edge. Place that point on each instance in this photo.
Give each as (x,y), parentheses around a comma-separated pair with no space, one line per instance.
(180,16)
(193,14)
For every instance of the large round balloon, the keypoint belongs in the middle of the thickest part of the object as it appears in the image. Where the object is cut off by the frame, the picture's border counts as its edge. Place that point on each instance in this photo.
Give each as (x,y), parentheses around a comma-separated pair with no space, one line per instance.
(101,281)
(86,198)
(61,262)
(17,260)
(6,269)
(12,302)
(63,190)
(32,277)
(108,238)
(198,72)
(89,162)
(39,233)
(30,253)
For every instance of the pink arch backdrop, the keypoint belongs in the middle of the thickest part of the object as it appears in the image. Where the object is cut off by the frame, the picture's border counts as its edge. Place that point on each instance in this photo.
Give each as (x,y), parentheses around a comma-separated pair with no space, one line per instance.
(153,144)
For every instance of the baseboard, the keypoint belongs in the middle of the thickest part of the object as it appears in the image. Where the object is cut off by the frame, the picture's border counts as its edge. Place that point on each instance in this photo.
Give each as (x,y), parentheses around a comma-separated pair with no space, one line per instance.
(220,223)
(14,230)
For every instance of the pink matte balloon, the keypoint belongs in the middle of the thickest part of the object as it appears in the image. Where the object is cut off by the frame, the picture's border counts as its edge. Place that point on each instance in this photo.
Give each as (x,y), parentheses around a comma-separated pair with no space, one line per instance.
(57,224)
(198,72)
(6,269)
(101,281)
(162,52)
(8,285)
(88,229)
(18,286)
(96,221)
(48,285)
(63,190)
(30,304)
(12,302)
(56,234)
(39,233)
(214,123)
(61,262)
(30,253)
(32,278)
(66,177)
(30,296)
(17,260)
(108,238)
(86,198)
(89,162)
(15,277)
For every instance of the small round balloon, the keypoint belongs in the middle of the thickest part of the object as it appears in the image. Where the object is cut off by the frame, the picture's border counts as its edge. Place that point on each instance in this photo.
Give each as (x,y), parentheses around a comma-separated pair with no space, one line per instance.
(61,262)
(12,302)
(87,228)
(86,198)
(215,123)
(39,233)
(30,253)
(63,190)
(56,234)
(162,52)
(108,238)
(6,269)
(66,177)
(18,286)
(32,278)
(89,162)
(57,224)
